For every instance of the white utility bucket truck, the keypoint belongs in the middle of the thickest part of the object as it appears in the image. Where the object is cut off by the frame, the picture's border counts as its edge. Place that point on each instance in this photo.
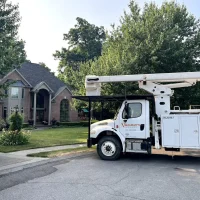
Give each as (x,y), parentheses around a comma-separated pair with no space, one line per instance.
(130,130)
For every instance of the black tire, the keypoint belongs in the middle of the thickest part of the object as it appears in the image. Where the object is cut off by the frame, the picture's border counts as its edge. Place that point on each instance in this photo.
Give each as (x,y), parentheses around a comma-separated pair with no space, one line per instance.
(113,146)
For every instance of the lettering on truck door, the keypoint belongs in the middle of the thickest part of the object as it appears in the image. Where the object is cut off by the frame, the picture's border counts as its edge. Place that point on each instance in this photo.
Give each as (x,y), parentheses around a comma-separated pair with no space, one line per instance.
(132,124)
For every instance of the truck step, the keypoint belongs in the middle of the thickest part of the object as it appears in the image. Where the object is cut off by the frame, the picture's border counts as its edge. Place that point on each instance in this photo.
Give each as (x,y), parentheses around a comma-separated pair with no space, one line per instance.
(136,151)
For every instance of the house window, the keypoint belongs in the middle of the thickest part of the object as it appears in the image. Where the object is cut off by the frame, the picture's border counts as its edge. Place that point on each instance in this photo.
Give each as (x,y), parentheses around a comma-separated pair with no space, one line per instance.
(14,92)
(22,93)
(64,110)
(22,110)
(12,110)
(5,112)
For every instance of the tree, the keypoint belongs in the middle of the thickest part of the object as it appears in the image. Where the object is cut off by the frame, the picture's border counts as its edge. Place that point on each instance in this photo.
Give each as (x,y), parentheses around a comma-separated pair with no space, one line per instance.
(45,66)
(85,43)
(12,52)
(152,40)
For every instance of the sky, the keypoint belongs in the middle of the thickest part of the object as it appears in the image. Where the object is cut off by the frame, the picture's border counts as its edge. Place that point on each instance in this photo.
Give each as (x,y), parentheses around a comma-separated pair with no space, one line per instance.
(45,21)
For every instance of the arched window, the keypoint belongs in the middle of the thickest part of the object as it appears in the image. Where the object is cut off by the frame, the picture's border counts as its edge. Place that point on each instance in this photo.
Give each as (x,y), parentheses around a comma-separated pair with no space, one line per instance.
(64,110)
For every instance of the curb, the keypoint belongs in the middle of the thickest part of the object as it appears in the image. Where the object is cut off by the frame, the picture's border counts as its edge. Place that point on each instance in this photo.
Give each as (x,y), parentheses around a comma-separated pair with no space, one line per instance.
(43,162)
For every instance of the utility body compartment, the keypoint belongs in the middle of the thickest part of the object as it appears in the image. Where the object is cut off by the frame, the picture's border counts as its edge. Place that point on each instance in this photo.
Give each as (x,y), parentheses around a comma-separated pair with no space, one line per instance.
(180,130)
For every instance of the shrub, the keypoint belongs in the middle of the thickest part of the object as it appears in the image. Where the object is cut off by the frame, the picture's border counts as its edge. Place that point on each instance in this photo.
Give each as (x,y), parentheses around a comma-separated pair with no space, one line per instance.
(57,123)
(9,138)
(82,123)
(25,125)
(53,122)
(16,122)
(85,123)
(70,124)
(30,121)
(2,124)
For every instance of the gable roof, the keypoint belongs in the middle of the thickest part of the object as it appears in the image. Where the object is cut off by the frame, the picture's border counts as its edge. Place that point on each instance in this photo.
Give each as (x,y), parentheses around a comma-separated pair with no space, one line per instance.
(17,83)
(36,74)
(60,90)
(15,70)
(42,84)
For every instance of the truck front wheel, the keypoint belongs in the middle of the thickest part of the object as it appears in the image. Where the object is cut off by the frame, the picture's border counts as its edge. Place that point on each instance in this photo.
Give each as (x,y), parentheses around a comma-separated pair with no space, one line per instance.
(109,148)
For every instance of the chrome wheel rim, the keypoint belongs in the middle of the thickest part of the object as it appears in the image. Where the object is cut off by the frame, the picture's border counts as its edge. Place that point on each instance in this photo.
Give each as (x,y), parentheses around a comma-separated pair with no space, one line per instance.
(108,148)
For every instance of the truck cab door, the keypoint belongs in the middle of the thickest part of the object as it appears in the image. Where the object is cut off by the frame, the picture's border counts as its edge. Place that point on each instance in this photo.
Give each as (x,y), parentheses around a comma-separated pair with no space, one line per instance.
(134,119)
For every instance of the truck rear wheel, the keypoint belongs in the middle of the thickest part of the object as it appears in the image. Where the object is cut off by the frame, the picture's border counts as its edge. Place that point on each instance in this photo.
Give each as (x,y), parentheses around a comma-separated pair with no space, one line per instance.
(109,148)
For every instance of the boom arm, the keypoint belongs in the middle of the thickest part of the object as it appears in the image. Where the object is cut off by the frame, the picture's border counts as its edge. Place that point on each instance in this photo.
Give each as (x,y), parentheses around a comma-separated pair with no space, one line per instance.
(148,82)
(162,77)
(92,82)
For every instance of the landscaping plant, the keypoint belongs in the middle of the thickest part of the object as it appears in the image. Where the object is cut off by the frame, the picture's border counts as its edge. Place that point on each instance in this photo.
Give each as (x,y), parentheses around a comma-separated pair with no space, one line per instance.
(16,120)
(2,124)
(15,136)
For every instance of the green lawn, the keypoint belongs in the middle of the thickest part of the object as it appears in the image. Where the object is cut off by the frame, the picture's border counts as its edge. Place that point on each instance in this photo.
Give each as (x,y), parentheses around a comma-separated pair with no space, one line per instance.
(51,137)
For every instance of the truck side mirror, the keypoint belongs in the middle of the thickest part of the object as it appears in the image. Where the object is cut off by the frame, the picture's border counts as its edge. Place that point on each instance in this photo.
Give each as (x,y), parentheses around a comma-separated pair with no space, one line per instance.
(126,110)
(126,116)
(126,107)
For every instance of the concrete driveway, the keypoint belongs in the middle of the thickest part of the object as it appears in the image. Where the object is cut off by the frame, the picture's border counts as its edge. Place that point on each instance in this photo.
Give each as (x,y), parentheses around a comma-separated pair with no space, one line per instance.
(87,177)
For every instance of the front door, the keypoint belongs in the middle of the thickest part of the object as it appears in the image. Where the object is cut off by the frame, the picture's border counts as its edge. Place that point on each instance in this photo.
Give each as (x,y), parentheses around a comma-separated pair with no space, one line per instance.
(40,116)
(135,120)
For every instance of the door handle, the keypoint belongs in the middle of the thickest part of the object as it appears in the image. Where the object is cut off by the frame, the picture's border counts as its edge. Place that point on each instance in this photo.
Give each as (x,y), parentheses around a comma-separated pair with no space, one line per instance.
(141,127)
(176,131)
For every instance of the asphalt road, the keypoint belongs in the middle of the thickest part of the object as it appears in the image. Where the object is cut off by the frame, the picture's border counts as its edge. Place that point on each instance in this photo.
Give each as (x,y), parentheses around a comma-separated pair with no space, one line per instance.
(134,177)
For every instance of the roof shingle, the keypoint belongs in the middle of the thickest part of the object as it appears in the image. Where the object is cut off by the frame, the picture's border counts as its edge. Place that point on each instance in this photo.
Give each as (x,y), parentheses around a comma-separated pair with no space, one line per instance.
(35,73)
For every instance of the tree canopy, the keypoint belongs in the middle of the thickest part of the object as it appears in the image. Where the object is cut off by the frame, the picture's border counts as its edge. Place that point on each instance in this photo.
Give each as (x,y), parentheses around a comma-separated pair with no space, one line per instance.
(85,43)
(12,51)
(44,65)
(149,40)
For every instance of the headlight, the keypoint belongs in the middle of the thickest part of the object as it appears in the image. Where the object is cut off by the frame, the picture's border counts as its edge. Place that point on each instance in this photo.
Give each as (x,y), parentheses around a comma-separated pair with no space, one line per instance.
(92,132)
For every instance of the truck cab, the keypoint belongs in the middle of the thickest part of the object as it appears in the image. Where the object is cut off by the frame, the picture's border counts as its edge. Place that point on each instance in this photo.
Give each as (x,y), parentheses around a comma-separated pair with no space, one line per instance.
(128,132)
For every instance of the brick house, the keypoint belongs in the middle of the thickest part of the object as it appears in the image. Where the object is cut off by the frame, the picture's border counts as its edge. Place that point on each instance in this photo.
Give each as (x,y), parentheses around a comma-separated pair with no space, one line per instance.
(38,94)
